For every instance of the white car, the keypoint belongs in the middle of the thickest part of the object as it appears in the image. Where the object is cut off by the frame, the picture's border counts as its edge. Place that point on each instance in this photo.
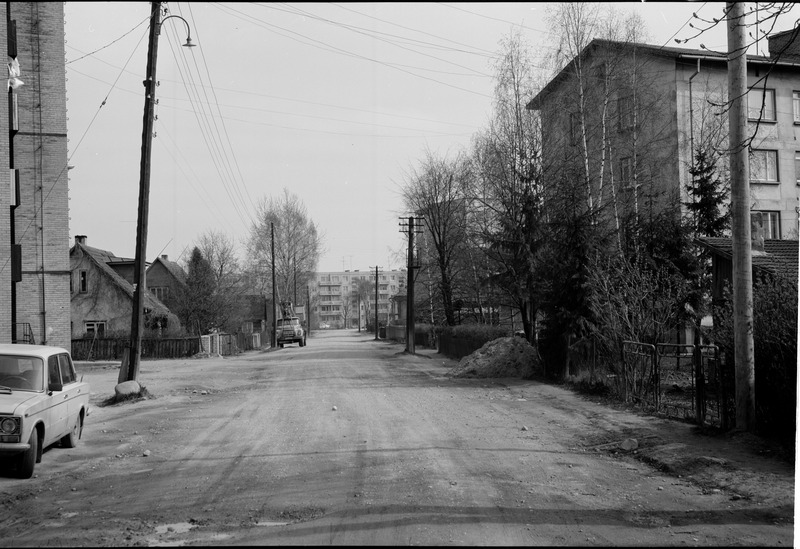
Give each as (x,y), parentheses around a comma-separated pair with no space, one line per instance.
(41,402)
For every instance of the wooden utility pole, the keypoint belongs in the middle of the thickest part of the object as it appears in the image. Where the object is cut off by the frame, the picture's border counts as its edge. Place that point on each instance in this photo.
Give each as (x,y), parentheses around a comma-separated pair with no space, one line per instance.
(376,303)
(740,219)
(308,311)
(139,282)
(274,338)
(410,344)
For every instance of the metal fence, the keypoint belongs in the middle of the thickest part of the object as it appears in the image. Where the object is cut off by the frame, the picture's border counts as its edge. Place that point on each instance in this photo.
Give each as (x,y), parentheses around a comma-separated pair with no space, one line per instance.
(679,380)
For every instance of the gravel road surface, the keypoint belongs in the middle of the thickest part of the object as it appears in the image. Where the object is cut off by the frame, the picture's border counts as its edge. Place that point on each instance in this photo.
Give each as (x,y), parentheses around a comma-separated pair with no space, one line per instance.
(349,441)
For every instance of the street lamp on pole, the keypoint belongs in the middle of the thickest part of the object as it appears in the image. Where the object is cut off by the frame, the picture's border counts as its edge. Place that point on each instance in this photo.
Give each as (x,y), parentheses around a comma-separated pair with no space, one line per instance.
(140,285)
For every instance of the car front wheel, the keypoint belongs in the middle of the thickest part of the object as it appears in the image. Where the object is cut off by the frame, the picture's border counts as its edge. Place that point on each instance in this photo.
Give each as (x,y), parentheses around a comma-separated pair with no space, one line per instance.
(70,440)
(27,460)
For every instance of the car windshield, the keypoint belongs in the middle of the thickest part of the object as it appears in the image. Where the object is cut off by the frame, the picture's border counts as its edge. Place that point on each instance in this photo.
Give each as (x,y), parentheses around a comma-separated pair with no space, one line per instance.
(289,322)
(21,372)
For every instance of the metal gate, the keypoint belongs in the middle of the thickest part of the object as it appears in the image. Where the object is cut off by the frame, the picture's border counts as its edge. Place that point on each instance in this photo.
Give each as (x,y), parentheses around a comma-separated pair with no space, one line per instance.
(679,380)
(715,396)
(678,377)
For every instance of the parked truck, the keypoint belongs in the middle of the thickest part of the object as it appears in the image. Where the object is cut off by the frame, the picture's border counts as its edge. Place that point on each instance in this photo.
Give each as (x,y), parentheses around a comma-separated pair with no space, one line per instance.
(290,328)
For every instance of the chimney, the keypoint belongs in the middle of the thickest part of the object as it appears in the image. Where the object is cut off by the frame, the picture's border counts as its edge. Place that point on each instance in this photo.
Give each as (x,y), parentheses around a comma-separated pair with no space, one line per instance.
(786,44)
(164,257)
(80,239)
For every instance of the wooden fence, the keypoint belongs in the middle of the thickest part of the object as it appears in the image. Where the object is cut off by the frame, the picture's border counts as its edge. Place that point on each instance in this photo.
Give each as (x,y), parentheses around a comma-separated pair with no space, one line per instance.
(111,349)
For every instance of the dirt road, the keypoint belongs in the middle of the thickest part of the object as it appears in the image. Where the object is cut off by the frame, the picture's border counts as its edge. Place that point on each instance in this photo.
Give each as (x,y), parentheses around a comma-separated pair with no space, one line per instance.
(350,442)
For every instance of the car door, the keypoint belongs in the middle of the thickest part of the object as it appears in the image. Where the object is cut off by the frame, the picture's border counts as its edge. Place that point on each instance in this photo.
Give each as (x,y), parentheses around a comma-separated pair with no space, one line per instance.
(57,410)
(72,389)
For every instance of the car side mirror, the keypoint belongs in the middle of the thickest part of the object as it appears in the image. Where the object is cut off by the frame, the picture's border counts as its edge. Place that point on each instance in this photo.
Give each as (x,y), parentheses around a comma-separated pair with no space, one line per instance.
(54,386)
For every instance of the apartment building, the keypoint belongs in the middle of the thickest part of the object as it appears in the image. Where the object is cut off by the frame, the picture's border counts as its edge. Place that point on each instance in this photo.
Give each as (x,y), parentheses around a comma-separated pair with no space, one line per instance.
(625,119)
(335,297)
(34,211)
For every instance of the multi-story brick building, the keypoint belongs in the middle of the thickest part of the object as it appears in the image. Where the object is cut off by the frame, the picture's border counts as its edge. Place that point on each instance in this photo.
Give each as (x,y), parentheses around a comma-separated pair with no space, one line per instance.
(626,120)
(34,212)
(335,300)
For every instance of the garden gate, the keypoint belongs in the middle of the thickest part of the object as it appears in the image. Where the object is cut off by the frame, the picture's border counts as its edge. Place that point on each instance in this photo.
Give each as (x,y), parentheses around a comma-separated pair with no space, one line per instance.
(679,380)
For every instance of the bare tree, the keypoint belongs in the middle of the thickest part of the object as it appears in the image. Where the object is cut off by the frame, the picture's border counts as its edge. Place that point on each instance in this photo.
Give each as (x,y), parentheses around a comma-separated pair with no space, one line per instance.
(298,245)
(507,189)
(220,252)
(436,191)
(365,289)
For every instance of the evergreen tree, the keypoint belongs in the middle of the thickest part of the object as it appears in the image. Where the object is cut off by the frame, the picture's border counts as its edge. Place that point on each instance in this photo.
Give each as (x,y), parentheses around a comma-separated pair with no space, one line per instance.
(710,215)
(197,304)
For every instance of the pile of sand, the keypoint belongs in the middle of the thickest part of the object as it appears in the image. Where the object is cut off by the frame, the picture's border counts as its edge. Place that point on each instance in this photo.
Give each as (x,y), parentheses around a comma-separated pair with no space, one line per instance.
(503,357)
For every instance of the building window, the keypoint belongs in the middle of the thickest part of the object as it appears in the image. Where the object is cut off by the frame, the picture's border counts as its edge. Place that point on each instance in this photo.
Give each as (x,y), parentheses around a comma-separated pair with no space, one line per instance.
(796,106)
(797,166)
(574,127)
(764,166)
(83,284)
(758,99)
(95,328)
(626,171)
(769,222)
(161,292)
(625,112)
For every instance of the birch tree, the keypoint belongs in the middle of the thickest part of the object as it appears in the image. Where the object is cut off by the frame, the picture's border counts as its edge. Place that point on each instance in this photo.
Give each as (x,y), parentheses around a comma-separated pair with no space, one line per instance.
(508,185)
(436,191)
(298,245)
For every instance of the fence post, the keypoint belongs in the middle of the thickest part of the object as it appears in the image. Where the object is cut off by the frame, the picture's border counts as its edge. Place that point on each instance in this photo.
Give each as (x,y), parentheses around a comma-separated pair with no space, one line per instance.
(624,375)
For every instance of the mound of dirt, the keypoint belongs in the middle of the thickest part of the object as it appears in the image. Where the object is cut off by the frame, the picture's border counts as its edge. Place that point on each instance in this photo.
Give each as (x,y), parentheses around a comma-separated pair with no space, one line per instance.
(503,357)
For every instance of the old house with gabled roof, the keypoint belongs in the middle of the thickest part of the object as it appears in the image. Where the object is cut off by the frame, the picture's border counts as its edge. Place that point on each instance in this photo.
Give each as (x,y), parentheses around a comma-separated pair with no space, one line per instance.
(101,300)
(165,279)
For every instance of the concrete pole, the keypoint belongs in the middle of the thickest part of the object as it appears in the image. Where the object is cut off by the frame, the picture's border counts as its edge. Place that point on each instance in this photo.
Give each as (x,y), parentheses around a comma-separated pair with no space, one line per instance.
(740,219)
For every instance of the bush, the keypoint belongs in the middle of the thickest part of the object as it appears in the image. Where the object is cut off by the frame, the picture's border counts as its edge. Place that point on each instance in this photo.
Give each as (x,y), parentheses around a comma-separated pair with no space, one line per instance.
(459,341)
(775,350)
(425,335)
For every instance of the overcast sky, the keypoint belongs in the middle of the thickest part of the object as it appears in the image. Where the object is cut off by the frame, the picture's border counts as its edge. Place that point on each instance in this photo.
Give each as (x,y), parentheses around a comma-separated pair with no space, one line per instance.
(334,102)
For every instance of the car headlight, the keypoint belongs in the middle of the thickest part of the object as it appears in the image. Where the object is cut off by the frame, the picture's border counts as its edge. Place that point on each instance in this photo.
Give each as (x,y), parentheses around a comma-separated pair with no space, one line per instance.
(9,425)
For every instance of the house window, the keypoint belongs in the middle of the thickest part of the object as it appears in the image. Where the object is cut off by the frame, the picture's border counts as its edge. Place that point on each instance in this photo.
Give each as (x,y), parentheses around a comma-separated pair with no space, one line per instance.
(83,282)
(764,166)
(770,223)
(626,171)
(758,99)
(625,112)
(161,292)
(95,328)
(796,106)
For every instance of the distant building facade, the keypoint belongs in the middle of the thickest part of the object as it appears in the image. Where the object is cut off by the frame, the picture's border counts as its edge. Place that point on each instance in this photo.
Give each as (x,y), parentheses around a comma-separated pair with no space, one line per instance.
(34,211)
(335,300)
